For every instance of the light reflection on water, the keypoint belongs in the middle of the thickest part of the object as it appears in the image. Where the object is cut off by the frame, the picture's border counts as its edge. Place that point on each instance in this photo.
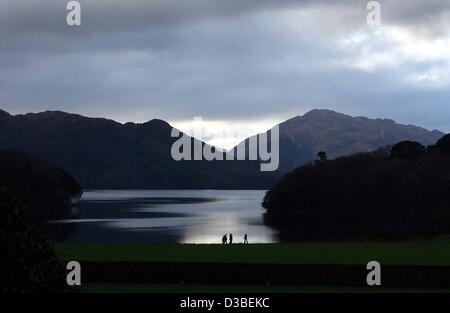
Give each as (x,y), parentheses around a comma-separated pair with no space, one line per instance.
(176,216)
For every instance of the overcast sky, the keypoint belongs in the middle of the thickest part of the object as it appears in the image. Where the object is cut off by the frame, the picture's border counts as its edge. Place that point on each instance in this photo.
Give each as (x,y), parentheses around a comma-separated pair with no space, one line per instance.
(243,65)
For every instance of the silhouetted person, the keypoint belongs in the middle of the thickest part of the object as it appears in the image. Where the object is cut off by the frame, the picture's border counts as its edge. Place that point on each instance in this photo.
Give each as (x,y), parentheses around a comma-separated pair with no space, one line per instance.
(224,239)
(245,238)
(231,239)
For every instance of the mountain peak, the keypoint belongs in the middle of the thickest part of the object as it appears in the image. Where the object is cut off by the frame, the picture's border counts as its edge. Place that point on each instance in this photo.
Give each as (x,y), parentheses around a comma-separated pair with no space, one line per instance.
(320,113)
(65,117)
(340,134)
(158,123)
(50,114)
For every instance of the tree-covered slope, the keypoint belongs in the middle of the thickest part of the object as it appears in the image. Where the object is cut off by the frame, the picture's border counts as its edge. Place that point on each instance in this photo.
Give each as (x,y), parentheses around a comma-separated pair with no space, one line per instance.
(370,195)
(42,188)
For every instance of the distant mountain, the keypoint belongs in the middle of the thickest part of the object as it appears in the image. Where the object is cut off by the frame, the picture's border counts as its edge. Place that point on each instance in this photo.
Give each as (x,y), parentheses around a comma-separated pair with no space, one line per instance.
(302,137)
(102,153)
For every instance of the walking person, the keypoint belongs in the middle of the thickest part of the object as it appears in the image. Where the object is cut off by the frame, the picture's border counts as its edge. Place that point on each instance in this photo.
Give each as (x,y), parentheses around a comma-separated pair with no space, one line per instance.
(231,239)
(245,238)
(224,239)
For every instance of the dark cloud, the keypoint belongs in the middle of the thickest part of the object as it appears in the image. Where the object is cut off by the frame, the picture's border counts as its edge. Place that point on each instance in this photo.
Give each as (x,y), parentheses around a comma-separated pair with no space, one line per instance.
(413,12)
(30,16)
(132,15)
(136,60)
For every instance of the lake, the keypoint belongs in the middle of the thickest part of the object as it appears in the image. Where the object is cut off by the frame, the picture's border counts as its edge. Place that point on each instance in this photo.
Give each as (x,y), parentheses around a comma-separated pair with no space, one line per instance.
(163,216)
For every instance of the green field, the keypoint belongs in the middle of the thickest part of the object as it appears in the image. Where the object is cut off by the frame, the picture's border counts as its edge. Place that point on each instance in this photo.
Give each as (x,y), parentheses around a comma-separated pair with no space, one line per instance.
(435,252)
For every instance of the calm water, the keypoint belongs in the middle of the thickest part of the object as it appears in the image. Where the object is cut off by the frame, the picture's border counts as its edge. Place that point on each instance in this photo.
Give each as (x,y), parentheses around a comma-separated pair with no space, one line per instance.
(175,216)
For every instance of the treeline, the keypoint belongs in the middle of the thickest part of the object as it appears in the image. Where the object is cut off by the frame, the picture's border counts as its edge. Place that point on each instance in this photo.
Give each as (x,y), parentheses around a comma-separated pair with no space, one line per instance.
(403,194)
(41,188)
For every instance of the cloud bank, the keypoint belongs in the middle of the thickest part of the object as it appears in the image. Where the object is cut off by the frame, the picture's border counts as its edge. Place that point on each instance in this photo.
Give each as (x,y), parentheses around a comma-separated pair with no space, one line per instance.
(243,62)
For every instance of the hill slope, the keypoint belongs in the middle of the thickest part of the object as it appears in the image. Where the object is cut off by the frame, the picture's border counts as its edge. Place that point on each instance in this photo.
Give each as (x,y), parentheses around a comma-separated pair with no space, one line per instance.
(102,153)
(42,188)
(370,195)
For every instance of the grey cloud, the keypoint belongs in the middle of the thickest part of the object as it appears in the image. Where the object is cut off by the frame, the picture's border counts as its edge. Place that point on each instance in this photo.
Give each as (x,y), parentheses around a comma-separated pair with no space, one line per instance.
(119,15)
(412,12)
(136,60)
(133,15)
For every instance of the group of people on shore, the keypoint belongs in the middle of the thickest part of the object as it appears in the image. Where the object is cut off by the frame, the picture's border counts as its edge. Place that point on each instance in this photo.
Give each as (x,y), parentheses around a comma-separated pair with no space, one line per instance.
(228,239)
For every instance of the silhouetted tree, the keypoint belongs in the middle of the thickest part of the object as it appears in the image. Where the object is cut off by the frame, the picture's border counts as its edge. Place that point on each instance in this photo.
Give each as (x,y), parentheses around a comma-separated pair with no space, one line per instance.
(407,149)
(322,155)
(443,144)
(28,262)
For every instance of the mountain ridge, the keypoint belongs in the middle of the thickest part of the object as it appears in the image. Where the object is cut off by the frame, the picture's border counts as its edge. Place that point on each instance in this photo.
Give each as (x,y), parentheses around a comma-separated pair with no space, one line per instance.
(103,153)
(338,134)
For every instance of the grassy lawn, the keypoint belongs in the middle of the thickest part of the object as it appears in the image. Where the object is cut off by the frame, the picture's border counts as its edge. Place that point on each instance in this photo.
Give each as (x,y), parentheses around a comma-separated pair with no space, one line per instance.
(435,252)
(172,288)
